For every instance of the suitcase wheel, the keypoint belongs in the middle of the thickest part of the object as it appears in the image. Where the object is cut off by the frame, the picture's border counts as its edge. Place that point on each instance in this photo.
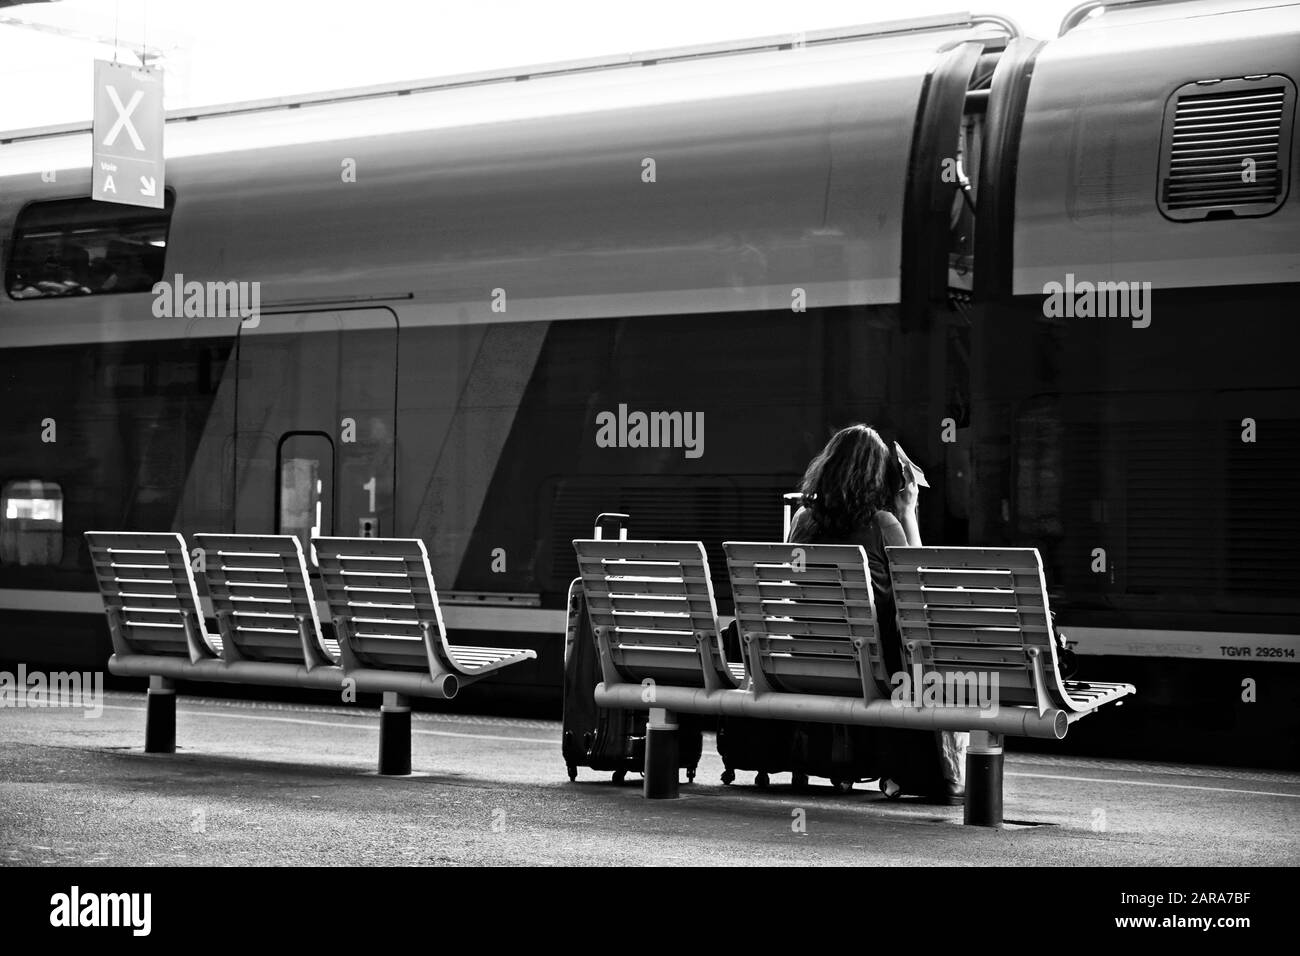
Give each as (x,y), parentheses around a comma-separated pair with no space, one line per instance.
(843,786)
(573,772)
(761,780)
(620,776)
(728,776)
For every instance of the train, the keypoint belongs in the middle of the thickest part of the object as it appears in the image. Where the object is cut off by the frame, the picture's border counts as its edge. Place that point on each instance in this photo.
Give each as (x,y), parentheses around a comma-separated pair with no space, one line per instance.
(481,310)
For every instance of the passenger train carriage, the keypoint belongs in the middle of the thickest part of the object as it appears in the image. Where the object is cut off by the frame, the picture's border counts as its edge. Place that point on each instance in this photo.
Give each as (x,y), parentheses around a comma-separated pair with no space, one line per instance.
(937,226)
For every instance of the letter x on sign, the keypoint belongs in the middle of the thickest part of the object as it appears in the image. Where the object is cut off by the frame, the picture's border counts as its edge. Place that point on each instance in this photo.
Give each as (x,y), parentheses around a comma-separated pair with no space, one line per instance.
(123,121)
(127,136)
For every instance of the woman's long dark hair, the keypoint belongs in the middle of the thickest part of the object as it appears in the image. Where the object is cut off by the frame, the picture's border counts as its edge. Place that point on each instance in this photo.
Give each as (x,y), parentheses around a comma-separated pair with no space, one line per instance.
(852,478)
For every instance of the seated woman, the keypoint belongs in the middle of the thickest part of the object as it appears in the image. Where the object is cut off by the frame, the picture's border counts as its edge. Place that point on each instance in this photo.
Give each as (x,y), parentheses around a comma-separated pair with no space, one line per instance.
(856,491)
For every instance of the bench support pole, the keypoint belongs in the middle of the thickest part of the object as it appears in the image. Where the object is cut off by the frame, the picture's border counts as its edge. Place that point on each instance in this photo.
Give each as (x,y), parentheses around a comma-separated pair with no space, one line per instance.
(395,735)
(984,780)
(160,717)
(661,776)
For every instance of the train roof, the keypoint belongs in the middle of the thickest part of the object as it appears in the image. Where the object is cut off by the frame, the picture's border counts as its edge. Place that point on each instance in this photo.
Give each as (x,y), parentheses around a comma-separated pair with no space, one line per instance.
(784,41)
(781,169)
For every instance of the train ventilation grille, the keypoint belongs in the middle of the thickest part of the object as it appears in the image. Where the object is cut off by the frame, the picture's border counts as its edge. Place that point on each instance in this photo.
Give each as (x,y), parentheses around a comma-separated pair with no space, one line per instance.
(1227,148)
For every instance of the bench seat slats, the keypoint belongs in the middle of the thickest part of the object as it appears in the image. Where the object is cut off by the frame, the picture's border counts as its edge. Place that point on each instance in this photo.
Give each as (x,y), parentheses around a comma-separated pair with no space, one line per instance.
(633,574)
(769,554)
(911,599)
(787,590)
(958,656)
(948,634)
(786,627)
(595,550)
(259,588)
(967,578)
(811,574)
(162,589)
(288,606)
(652,598)
(774,643)
(374,626)
(652,622)
(810,611)
(148,586)
(169,603)
(654,604)
(692,588)
(359,561)
(980,559)
(981,617)
(475,656)
(984,609)
(246,621)
(632,637)
(383,589)
(821,631)
(249,562)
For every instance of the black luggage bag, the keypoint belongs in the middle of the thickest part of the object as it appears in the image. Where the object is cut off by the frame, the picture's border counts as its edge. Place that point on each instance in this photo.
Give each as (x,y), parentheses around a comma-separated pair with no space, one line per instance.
(842,753)
(598,737)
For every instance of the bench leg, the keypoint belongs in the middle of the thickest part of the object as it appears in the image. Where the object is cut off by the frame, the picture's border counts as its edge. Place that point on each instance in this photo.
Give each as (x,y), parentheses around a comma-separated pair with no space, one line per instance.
(160,717)
(984,780)
(661,777)
(395,735)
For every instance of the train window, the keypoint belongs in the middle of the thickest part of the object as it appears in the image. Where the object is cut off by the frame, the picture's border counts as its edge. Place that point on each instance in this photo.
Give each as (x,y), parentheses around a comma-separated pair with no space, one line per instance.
(31,523)
(86,247)
(306,488)
(1226,150)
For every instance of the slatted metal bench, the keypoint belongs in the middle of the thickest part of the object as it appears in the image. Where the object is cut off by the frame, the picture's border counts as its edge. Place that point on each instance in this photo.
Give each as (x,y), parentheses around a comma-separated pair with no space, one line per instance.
(266,613)
(655,621)
(659,596)
(807,617)
(385,610)
(269,629)
(154,620)
(812,648)
(983,613)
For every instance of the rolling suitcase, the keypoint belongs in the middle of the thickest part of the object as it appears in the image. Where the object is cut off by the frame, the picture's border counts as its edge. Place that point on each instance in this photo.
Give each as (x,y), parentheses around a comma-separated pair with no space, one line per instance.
(843,754)
(598,737)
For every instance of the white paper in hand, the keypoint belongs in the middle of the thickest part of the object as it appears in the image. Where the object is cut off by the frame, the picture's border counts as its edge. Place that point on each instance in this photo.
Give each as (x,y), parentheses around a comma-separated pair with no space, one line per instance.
(910,468)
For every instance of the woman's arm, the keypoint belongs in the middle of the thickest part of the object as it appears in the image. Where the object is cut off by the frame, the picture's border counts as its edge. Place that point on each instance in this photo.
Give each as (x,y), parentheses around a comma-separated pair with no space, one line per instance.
(905,508)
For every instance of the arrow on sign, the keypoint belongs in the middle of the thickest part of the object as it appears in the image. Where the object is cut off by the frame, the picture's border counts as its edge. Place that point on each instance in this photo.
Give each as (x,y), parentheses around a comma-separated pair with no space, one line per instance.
(148,186)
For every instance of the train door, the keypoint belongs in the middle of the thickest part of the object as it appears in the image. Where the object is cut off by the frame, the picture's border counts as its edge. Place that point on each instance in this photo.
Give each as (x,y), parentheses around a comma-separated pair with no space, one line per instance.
(315,424)
(937,275)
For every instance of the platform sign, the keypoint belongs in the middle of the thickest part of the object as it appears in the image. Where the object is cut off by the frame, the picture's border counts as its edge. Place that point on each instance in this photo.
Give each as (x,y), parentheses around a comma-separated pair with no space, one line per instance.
(128,135)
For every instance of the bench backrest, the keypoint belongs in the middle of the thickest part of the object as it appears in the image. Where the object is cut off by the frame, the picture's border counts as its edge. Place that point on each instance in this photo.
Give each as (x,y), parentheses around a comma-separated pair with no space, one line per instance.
(809,612)
(381,592)
(149,593)
(262,598)
(980,610)
(654,602)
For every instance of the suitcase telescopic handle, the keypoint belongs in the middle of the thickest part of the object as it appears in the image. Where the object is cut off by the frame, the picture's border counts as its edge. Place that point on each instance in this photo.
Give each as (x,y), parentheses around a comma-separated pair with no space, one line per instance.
(611,526)
(791,501)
